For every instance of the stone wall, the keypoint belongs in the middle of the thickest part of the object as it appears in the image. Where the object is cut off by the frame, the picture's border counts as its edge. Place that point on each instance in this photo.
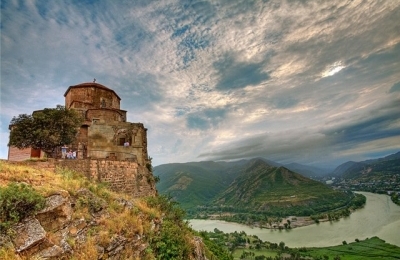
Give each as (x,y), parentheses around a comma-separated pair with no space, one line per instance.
(103,139)
(106,115)
(122,176)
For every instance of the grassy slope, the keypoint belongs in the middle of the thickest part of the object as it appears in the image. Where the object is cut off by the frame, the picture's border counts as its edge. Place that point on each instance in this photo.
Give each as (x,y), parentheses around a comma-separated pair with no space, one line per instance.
(369,249)
(261,186)
(193,184)
(373,248)
(374,170)
(244,185)
(117,220)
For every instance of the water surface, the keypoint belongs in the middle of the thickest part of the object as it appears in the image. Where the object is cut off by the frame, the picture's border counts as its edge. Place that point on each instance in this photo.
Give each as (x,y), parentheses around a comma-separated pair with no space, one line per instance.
(380,217)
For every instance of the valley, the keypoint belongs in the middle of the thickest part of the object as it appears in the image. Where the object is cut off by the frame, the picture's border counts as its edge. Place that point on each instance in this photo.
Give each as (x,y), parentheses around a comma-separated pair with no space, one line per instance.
(251,192)
(380,217)
(378,176)
(264,193)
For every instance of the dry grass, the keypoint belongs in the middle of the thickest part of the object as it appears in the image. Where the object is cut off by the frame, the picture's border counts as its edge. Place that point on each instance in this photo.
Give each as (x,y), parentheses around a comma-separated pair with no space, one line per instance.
(152,213)
(87,250)
(19,173)
(116,219)
(8,254)
(45,181)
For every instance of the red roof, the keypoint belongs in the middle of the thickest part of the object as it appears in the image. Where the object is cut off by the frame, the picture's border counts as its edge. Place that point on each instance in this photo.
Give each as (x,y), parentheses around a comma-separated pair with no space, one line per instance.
(89,85)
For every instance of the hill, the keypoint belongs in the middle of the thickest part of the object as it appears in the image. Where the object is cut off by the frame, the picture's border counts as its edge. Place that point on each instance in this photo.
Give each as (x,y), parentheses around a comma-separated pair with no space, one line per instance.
(380,175)
(253,186)
(262,188)
(344,167)
(63,215)
(196,183)
(369,169)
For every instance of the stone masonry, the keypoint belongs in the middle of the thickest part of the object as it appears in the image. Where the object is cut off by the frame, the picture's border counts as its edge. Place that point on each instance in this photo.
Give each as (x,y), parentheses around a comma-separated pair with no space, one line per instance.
(122,176)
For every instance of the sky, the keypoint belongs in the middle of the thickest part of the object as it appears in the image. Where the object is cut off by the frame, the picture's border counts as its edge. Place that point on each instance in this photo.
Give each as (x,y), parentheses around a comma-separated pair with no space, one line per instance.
(311,82)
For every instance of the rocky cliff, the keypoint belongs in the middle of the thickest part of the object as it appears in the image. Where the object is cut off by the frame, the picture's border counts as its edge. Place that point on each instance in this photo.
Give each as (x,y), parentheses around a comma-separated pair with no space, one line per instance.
(86,220)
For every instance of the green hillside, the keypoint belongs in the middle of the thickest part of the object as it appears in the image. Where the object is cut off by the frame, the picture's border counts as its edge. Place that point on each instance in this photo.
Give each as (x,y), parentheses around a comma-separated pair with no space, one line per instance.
(252,186)
(196,183)
(373,170)
(369,169)
(264,188)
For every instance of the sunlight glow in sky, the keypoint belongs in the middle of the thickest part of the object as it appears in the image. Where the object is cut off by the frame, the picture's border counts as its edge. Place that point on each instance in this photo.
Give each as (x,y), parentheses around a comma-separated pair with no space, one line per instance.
(332,70)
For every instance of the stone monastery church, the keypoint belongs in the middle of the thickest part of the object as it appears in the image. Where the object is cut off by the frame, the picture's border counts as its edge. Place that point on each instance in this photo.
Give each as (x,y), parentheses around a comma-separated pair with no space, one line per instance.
(105,133)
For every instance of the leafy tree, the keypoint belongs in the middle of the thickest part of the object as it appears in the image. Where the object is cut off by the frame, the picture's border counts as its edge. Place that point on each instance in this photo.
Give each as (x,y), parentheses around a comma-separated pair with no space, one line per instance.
(282,245)
(46,129)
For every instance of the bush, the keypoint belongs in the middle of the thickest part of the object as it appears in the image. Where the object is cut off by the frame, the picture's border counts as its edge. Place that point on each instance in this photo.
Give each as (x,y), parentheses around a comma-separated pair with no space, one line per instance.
(18,201)
(173,241)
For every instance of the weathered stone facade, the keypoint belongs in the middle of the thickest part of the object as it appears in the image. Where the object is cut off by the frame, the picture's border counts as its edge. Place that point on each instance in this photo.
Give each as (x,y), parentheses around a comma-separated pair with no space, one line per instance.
(105,130)
(122,176)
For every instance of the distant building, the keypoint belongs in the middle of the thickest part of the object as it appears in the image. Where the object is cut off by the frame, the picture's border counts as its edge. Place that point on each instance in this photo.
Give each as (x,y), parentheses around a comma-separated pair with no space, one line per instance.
(104,133)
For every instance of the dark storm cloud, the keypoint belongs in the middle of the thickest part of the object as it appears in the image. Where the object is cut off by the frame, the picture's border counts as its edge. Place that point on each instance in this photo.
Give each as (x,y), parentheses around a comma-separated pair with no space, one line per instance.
(291,145)
(235,74)
(287,145)
(380,123)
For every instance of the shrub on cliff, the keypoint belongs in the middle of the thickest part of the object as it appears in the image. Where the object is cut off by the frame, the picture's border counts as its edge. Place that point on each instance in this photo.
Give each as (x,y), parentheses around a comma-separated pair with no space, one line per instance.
(18,201)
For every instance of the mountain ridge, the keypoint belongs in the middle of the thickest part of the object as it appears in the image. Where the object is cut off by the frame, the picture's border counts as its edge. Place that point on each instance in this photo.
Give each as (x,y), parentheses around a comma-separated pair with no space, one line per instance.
(255,186)
(353,170)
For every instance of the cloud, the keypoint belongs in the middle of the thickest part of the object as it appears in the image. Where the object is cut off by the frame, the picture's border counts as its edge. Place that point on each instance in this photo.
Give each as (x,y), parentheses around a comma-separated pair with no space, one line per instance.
(206,119)
(233,74)
(224,79)
(381,123)
(395,87)
(306,145)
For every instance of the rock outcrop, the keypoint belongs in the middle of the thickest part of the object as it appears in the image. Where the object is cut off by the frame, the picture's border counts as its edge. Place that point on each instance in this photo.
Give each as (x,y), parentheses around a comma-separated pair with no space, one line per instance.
(55,231)
(48,234)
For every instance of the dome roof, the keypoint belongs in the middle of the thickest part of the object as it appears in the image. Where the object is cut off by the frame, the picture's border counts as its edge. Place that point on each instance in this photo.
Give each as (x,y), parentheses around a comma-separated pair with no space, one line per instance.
(90,85)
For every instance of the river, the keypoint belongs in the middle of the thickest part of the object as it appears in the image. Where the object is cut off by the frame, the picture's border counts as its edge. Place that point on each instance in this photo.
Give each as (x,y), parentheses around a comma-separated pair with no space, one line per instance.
(380,217)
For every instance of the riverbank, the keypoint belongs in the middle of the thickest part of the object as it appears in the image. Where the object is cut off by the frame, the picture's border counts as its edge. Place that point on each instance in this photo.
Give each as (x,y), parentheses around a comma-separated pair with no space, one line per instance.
(270,222)
(286,223)
(380,217)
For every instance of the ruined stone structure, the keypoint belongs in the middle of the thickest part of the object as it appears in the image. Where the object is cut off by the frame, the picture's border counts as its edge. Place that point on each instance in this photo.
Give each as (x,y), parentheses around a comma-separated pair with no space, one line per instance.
(105,133)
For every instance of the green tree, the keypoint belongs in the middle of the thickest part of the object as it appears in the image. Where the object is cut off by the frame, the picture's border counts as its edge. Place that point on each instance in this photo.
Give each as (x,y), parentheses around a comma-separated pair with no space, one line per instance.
(282,245)
(46,129)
